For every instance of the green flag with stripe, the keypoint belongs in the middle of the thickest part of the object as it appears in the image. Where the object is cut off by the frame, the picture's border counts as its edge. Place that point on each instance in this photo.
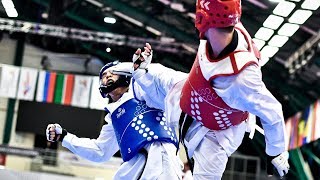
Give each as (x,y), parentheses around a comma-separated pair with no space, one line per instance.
(58,95)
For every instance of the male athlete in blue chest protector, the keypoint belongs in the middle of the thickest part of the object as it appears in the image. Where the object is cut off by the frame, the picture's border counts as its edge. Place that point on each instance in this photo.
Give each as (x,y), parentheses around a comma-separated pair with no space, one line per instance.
(147,144)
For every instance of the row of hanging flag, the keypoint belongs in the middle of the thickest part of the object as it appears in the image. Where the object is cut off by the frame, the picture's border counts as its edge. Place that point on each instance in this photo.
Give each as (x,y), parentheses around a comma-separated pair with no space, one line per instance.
(46,86)
(304,126)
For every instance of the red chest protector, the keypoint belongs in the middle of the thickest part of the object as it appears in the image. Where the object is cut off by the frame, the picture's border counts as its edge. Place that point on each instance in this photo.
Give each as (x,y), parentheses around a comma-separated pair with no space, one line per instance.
(200,101)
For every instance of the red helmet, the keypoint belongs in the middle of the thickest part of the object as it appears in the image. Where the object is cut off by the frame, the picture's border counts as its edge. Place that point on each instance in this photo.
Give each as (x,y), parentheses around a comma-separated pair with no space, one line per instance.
(217,13)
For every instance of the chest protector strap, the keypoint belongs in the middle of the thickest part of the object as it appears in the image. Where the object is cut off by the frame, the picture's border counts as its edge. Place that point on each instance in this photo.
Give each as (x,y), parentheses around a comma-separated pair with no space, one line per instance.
(135,125)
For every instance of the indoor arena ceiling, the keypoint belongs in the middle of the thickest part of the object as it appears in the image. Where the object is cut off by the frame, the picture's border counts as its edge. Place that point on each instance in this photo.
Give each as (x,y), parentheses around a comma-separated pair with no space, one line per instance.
(292,74)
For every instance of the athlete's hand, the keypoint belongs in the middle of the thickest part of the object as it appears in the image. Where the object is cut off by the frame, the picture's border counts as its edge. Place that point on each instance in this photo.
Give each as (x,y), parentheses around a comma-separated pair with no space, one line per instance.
(280,162)
(54,132)
(142,59)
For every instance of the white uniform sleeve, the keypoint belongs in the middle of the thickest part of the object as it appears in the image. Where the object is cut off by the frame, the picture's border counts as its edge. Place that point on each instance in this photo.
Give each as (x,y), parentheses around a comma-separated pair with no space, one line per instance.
(97,150)
(247,92)
(154,85)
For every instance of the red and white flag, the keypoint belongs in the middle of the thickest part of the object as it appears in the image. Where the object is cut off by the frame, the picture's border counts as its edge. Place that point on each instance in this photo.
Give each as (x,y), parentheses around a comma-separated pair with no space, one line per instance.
(64,89)
(81,91)
(27,83)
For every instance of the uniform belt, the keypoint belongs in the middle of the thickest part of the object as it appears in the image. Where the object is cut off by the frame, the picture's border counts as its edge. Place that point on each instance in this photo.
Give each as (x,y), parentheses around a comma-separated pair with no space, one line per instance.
(145,153)
(185,122)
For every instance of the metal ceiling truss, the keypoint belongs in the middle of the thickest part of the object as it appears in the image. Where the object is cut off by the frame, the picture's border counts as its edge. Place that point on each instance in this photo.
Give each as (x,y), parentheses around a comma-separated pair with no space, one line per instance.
(86,35)
(305,52)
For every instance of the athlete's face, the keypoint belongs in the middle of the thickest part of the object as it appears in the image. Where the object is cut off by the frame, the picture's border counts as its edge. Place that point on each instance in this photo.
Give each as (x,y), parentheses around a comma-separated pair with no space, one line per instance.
(109,78)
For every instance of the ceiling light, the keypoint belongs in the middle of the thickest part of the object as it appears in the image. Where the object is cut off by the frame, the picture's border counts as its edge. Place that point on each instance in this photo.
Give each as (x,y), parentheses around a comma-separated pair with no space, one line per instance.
(109,20)
(259,43)
(269,51)
(192,15)
(45,15)
(96,3)
(300,16)
(288,29)
(9,8)
(7,4)
(108,49)
(310,4)
(278,41)
(273,22)
(284,8)
(264,33)
(12,12)
(177,6)
(189,48)
(154,31)
(263,60)
(167,39)
(166,2)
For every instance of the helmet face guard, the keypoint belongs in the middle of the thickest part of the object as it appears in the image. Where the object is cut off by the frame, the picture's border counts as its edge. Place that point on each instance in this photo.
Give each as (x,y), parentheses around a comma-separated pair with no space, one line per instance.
(216,14)
(114,67)
(123,81)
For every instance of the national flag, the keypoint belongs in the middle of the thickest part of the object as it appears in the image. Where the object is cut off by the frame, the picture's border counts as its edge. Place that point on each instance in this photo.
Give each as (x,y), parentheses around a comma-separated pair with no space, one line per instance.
(309,123)
(96,100)
(302,126)
(81,91)
(2,159)
(9,80)
(46,85)
(27,83)
(64,89)
(294,134)
(59,89)
(316,126)
(289,128)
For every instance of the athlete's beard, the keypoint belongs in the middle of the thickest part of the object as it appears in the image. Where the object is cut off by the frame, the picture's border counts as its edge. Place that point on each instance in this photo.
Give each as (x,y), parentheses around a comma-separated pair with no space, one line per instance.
(109,87)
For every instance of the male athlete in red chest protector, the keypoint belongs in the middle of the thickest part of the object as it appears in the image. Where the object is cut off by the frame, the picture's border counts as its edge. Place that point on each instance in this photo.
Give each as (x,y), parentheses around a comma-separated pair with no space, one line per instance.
(223,86)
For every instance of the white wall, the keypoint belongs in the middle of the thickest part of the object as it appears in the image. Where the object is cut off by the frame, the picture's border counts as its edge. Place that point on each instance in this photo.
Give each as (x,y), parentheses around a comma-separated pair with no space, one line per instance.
(32,56)
(7,50)
(7,54)
(3,113)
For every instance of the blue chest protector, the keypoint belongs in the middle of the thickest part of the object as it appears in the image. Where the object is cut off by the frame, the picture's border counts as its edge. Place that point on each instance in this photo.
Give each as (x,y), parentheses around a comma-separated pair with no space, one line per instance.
(135,124)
